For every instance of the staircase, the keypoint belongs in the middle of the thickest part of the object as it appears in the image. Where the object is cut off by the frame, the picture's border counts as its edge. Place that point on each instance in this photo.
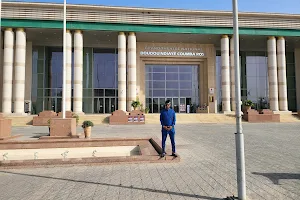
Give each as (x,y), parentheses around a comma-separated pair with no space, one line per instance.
(191,118)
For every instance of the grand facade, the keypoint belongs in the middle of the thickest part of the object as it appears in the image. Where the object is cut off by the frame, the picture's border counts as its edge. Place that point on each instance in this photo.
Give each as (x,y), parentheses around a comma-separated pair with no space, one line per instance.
(116,55)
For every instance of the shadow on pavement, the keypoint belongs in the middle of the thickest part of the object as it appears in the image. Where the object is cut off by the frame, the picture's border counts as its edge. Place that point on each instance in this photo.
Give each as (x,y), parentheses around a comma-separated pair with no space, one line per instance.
(275,177)
(120,185)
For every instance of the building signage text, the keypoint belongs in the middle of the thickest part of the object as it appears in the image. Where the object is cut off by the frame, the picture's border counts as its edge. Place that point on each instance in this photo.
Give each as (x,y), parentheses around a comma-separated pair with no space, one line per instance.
(171,51)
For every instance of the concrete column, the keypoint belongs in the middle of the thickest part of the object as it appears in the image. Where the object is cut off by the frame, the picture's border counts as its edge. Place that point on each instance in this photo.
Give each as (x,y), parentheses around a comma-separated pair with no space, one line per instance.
(20,62)
(272,74)
(297,74)
(68,70)
(232,75)
(78,71)
(7,70)
(131,78)
(282,85)
(122,71)
(225,74)
(1,70)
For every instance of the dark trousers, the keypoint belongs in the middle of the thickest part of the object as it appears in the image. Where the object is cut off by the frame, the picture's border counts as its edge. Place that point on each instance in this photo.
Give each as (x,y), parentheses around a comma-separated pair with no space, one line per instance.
(164,138)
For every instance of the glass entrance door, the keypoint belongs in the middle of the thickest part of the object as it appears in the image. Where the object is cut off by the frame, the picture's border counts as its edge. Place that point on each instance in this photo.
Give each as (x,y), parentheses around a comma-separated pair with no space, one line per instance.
(53,103)
(178,83)
(98,105)
(104,105)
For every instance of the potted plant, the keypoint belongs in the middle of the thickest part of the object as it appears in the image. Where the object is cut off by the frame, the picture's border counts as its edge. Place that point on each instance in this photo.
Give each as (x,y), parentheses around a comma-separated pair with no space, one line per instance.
(135,104)
(87,126)
(147,110)
(77,118)
(247,104)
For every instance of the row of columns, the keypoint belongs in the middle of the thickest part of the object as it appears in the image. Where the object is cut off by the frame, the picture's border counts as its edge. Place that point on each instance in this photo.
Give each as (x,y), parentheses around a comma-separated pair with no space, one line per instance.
(126,71)
(126,76)
(276,73)
(14,63)
(78,71)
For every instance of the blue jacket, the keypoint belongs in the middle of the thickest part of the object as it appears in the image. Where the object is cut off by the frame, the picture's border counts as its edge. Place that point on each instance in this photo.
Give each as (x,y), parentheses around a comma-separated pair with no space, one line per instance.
(167,117)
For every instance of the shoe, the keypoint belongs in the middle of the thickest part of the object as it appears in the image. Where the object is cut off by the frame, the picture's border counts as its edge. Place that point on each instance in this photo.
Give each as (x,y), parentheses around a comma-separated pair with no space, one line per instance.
(174,154)
(162,155)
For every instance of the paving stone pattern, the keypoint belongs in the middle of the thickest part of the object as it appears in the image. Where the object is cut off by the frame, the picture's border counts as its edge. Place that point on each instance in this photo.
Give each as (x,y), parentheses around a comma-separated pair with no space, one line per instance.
(207,169)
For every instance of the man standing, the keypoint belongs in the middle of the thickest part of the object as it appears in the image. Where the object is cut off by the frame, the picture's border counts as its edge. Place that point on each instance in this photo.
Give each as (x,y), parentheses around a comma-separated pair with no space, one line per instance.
(167,121)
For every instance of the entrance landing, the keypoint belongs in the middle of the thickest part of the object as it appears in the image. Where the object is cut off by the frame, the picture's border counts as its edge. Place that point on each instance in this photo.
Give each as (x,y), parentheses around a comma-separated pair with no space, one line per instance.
(181,118)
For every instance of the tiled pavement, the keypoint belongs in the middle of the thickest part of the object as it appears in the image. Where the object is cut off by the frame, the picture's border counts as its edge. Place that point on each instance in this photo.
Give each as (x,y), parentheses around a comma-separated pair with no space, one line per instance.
(207,169)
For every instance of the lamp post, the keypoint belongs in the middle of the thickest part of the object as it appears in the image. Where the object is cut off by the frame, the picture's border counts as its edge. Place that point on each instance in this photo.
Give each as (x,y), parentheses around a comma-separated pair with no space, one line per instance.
(239,136)
(64,62)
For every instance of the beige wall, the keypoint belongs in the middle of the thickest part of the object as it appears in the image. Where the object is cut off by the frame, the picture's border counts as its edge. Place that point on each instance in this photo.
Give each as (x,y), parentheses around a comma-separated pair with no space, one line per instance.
(297,73)
(28,71)
(206,63)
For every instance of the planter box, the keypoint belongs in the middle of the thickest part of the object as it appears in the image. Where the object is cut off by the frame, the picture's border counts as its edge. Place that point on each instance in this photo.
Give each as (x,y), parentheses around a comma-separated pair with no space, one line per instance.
(119,117)
(265,115)
(43,117)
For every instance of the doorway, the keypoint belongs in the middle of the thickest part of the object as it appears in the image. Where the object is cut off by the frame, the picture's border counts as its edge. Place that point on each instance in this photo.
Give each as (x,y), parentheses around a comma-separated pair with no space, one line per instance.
(53,103)
(104,105)
(177,83)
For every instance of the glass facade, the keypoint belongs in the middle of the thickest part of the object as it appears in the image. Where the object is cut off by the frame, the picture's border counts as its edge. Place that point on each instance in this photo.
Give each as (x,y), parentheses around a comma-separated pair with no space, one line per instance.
(105,80)
(99,80)
(254,79)
(178,83)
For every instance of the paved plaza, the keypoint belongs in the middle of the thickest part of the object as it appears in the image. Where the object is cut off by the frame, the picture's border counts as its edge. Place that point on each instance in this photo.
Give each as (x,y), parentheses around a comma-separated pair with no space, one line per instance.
(207,169)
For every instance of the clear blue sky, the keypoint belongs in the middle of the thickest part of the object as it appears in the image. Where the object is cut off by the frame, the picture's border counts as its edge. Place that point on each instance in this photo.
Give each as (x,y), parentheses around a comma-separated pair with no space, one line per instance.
(277,6)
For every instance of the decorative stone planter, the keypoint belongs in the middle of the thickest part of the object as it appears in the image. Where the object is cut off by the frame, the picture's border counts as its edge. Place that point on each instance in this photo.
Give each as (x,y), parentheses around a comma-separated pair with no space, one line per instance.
(88,132)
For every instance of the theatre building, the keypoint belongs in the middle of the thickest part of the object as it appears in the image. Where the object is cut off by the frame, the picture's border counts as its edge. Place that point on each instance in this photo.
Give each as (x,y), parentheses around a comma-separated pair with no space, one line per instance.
(115,55)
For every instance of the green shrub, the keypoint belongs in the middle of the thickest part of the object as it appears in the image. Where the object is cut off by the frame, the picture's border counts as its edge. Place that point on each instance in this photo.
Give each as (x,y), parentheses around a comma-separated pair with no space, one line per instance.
(248,103)
(77,118)
(86,124)
(135,104)
(147,110)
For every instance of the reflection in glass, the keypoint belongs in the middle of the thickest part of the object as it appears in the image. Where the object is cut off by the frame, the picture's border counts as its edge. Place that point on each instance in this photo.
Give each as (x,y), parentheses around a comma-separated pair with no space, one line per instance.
(167,85)
(159,76)
(159,84)
(172,76)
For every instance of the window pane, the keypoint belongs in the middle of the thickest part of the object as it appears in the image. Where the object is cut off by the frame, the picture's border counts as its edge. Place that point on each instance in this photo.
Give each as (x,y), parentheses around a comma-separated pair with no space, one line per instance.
(185,93)
(98,92)
(262,69)
(172,85)
(172,93)
(185,77)
(159,76)
(291,83)
(172,76)
(159,93)
(185,69)
(159,84)
(148,76)
(251,69)
(110,93)
(87,92)
(148,84)
(172,68)
(148,69)
(158,68)
(185,85)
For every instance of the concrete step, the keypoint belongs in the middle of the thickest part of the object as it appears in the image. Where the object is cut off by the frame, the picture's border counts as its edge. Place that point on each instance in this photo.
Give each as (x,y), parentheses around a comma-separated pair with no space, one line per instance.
(21,120)
(101,119)
(294,117)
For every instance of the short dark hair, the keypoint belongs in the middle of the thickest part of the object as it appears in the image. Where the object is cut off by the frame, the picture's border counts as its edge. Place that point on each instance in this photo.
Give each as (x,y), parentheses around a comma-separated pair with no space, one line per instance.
(167,102)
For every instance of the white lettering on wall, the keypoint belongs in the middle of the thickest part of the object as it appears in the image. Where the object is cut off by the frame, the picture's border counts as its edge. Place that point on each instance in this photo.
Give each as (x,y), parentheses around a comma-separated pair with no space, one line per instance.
(164,53)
